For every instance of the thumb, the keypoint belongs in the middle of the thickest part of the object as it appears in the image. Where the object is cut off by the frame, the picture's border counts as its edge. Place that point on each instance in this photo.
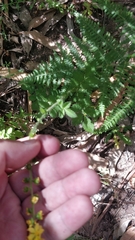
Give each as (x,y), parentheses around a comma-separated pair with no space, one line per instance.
(15,154)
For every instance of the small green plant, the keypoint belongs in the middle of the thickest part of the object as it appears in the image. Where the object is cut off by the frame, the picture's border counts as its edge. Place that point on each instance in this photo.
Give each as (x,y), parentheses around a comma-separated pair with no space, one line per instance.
(55,4)
(88,8)
(14,126)
(11,3)
(95,63)
(17,4)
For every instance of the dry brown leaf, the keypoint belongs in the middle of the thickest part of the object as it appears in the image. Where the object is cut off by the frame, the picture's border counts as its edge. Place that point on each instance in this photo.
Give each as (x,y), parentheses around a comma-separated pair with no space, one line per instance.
(95,96)
(13,59)
(18,50)
(70,25)
(37,21)
(129,234)
(120,228)
(63,1)
(26,43)
(12,73)
(97,163)
(40,38)
(1,38)
(1,42)
(31,65)
(51,22)
(24,16)
(15,39)
(10,24)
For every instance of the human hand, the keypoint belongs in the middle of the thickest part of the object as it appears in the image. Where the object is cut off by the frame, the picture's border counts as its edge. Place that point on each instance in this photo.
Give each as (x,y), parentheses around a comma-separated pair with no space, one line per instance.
(64,191)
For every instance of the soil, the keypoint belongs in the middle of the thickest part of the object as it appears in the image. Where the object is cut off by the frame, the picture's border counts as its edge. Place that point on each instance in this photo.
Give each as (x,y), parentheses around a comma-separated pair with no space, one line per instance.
(114,209)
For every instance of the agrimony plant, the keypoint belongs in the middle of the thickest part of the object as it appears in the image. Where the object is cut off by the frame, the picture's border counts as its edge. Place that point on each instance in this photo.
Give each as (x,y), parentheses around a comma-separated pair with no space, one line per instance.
(92,79)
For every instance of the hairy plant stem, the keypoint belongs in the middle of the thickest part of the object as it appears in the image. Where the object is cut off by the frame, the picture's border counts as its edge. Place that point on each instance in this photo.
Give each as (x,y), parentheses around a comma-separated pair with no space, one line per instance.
(35,127)
(31,191)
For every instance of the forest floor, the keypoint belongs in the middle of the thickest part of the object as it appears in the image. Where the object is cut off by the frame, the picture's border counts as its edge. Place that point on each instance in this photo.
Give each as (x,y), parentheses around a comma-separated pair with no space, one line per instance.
(29,37)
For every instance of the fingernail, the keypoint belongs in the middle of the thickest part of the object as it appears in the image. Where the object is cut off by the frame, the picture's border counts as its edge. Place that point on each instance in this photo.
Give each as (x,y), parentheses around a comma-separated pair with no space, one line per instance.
(31,142)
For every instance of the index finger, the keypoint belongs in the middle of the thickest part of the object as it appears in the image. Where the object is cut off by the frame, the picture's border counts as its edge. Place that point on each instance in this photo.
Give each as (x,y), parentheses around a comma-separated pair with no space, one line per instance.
(49,145)
(14,154)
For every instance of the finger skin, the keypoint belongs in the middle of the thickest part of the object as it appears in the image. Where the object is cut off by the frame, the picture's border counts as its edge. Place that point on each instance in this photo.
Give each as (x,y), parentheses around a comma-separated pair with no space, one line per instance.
(51,169)
(65,220)
(12,225)
(48,145)
(15,155)
(83,182)
(3,183)
(61,165)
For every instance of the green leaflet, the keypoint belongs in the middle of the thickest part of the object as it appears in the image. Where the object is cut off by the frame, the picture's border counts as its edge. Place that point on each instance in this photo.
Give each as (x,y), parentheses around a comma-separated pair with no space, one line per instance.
(88,125)
(70,113)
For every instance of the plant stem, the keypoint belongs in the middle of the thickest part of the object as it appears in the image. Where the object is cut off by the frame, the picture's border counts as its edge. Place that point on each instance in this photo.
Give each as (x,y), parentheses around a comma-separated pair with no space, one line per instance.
(31,191)
(34,129)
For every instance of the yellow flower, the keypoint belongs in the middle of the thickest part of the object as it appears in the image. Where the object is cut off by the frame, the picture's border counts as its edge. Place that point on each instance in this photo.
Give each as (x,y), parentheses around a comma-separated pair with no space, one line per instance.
(35,231)
(34,199)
